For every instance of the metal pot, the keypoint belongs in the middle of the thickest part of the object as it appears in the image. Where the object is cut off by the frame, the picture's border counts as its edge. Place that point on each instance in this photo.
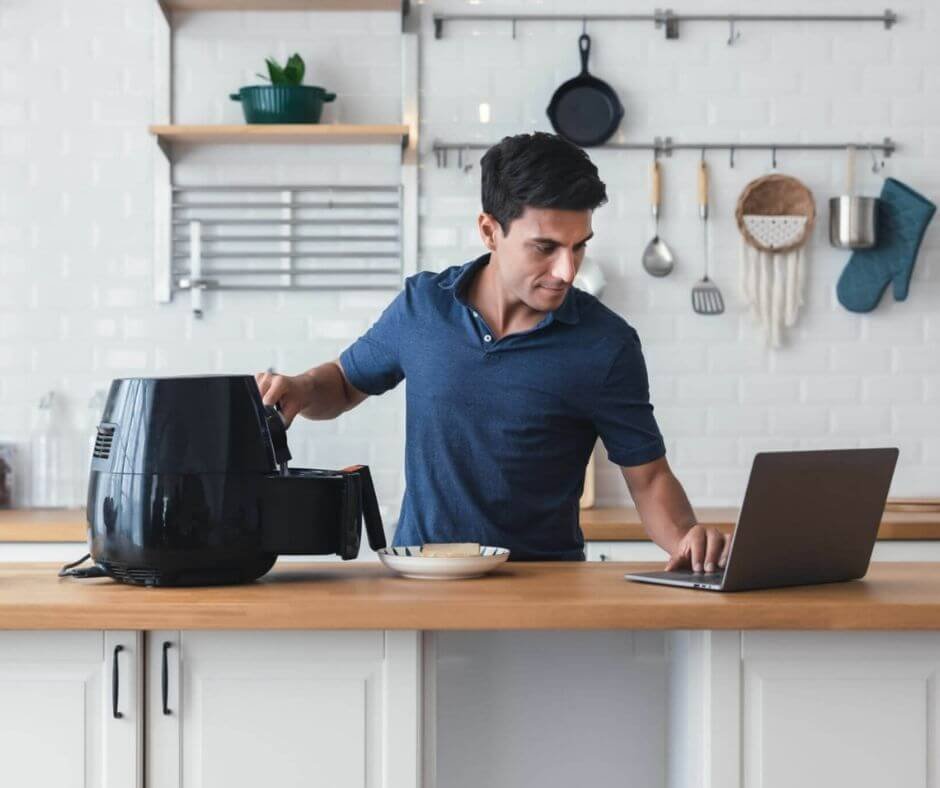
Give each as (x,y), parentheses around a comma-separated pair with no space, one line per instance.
(853,222)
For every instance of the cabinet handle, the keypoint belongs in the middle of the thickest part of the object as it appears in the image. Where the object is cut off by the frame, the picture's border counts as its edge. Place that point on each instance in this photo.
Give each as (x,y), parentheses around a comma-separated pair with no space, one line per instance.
(115,683)
(164,677)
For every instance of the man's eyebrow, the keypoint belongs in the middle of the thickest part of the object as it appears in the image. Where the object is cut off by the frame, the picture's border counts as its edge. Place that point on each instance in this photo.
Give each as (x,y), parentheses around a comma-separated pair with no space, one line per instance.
(553,241)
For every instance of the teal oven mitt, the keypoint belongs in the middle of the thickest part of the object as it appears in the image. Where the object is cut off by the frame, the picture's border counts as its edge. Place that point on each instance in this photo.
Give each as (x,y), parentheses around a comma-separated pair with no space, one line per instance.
(903,216)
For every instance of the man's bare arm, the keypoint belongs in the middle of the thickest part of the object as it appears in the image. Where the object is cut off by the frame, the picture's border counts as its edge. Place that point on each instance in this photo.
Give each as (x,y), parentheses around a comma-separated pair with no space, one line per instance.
(669,520)
(322,392)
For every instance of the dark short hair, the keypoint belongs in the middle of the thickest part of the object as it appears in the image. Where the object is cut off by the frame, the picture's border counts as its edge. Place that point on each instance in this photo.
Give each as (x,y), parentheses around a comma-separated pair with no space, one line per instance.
(540,170)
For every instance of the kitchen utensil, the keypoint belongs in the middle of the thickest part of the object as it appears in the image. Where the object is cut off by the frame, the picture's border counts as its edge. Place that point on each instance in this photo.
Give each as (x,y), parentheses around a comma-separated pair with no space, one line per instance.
(657,256)
(590,278)
(185,488)
(408,562)
(585,110)
(904,217)
(282,103)
(853,221)
(775,214)
(706,297)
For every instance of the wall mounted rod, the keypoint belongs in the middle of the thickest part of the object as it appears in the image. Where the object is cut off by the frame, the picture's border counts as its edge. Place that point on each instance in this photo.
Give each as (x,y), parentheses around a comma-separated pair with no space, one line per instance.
(293,287)
(665,146)
(287,188)
(666,18)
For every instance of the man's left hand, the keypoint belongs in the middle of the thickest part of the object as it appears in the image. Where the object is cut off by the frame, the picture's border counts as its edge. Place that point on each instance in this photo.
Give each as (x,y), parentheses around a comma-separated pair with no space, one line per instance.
(701,548)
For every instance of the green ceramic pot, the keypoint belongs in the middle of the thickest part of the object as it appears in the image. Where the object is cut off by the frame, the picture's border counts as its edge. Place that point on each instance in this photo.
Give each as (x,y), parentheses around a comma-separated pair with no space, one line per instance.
(282,103)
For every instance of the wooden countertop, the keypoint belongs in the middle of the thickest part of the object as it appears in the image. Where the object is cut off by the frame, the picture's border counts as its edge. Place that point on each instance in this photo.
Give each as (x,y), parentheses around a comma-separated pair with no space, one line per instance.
(619,524)
(564,595)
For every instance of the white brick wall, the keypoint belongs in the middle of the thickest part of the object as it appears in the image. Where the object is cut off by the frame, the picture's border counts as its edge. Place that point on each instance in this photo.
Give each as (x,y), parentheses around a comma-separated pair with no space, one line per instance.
(76,212)
(720,395)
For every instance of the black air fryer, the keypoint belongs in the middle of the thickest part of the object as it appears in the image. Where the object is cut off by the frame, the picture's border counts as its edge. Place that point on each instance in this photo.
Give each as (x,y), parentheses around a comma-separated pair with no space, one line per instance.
(189,486)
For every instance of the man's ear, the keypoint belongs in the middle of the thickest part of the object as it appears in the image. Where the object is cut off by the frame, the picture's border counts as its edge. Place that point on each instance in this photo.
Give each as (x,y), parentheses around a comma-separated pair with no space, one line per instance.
(489,230)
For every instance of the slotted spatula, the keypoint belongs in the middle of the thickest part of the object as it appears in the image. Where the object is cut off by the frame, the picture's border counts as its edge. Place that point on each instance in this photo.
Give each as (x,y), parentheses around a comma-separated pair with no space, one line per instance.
(706,297)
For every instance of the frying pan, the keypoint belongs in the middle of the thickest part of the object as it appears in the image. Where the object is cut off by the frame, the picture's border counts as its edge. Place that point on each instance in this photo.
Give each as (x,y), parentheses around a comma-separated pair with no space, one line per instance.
(585,110)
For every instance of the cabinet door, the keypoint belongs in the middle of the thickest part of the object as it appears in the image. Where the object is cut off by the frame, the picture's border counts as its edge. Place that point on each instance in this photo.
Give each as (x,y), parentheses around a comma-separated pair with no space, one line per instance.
(848,708)
(291,709)
(57,709)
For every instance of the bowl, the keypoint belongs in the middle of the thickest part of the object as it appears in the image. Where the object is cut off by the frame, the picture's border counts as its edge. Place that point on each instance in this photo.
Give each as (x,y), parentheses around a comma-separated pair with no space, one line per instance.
(408,562)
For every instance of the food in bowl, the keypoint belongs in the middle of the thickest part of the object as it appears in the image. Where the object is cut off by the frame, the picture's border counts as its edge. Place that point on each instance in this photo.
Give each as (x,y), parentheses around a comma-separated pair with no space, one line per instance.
(450,549)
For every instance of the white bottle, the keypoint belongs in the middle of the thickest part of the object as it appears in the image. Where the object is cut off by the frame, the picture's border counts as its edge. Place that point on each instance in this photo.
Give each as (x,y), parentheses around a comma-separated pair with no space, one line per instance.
(49,456)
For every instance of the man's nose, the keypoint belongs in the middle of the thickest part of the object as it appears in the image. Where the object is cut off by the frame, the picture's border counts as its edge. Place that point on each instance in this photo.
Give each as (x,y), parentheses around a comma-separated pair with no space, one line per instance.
(564,267)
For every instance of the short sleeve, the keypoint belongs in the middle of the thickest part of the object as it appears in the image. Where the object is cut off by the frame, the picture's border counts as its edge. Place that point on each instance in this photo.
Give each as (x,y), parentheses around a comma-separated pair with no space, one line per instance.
(622,412)
(373,363)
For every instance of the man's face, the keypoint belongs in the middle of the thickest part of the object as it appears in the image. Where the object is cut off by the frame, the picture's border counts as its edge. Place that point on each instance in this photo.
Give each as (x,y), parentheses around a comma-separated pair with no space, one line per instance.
(541,254)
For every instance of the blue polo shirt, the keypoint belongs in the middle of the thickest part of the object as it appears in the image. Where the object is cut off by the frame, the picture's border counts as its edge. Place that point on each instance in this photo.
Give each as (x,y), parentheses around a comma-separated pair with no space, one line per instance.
(499,431)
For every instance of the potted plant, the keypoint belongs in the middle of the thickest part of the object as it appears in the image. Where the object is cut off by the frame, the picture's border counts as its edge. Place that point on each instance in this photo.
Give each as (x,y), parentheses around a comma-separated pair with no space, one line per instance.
(285,100)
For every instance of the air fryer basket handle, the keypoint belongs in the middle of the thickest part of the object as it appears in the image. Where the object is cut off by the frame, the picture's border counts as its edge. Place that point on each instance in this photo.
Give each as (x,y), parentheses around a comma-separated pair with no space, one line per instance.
(278,433)
(370,507)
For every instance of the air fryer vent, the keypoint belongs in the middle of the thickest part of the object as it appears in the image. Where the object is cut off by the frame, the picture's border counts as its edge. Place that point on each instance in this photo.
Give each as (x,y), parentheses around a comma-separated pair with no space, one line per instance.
(103,442)
(126,574)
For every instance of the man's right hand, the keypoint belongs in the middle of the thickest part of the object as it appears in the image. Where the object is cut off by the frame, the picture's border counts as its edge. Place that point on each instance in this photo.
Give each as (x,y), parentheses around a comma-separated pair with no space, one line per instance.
(292,393)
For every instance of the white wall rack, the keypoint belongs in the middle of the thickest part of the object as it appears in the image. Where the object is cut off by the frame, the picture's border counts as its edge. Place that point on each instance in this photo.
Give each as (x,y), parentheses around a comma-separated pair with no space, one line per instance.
(171,229)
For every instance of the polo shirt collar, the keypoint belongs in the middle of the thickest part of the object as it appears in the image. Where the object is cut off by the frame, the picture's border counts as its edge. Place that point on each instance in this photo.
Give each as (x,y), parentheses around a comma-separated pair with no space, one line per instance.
(566,313)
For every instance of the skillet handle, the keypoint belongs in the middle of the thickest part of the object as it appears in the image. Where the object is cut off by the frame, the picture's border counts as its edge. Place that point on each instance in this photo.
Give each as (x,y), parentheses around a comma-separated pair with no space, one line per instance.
(584,45)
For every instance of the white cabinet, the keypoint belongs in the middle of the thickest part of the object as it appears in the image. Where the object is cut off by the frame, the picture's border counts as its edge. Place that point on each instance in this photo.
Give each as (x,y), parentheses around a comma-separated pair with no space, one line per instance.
(859,709)
(768,709)
(291,709)
(69,709)
(893,550)
(624,551)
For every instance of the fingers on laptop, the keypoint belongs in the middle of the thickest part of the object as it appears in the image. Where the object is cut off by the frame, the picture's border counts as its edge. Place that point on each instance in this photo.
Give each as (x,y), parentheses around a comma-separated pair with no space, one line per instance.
(701,548)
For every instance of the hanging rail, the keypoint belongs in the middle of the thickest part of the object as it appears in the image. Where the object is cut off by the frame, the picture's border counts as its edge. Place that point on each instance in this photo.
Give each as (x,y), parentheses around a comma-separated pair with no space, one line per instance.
(662,18)
(664,146)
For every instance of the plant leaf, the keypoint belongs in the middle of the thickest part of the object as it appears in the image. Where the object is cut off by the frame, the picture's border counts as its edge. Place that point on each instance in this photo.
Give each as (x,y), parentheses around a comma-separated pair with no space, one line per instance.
(294,70)
(276,72)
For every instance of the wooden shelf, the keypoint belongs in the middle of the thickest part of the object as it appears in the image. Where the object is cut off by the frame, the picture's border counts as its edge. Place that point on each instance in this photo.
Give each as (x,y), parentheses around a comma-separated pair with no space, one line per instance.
(42,525)
(282,5)
(275,133)
(622,524)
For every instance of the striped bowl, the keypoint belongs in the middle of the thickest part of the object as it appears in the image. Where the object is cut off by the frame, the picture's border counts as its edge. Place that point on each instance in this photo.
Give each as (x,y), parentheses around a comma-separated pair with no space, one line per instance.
(408,562)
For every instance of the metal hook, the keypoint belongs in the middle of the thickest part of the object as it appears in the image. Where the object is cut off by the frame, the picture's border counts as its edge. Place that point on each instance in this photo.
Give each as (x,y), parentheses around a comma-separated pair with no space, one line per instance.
(459,158)
(733,35)
(703,154)
(874,160)
(513,28)
(583,25)
(773,157)
(469,165)
(731,157)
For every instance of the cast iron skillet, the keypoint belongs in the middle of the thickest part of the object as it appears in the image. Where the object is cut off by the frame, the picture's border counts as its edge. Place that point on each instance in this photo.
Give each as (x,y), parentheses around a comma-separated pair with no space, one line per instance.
(585,110)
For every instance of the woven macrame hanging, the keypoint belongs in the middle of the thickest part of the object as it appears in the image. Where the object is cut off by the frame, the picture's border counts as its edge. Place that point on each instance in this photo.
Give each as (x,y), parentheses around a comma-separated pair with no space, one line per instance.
(775,215)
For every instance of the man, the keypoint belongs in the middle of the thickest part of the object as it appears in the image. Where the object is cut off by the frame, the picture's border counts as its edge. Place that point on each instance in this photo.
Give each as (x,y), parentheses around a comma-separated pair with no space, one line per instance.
(512,375)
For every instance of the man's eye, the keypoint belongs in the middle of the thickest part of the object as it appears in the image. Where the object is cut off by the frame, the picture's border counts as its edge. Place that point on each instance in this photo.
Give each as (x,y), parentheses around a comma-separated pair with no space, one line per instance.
(544,249)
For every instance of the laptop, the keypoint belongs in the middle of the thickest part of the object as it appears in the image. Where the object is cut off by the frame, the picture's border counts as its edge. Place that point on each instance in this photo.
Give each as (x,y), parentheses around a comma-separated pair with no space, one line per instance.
(808,517)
